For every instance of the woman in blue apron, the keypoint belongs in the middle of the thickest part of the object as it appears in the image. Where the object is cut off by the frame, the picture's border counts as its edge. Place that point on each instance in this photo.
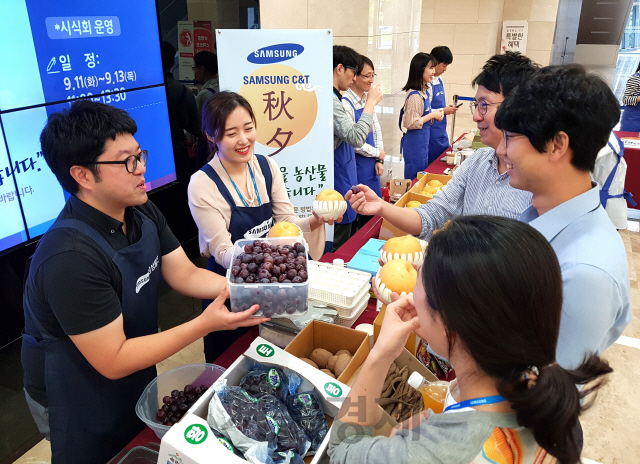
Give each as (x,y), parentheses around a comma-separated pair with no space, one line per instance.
(257,197)
(630,121)
(92,418)
(414,145)
(439,140)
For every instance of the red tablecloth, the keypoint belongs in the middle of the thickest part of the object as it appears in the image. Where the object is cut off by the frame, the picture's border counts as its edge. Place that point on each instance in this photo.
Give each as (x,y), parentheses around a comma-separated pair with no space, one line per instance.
(347,251)
(632,157)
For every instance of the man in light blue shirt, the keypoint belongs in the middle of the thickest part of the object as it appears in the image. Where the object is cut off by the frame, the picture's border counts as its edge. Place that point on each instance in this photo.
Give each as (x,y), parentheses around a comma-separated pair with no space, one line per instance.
(553,127)
(481,184)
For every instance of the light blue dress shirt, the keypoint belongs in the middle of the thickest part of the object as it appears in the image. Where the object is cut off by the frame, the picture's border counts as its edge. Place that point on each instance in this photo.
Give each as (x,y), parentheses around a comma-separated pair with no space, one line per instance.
(595,275)
(475,188)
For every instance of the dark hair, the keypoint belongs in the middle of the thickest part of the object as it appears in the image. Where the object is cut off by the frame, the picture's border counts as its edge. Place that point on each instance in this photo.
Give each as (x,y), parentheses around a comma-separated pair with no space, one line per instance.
(416,69)
(496,284)
(502,73)
(442,54)
(362,61)
(345,56)
(76,137)
(168,53)
(563,98)
(638,68)
(207,60)
(215,112)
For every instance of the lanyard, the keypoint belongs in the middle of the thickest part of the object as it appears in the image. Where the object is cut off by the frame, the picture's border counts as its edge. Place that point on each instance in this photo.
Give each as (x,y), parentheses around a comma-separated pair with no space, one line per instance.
(238,190)
(475,402)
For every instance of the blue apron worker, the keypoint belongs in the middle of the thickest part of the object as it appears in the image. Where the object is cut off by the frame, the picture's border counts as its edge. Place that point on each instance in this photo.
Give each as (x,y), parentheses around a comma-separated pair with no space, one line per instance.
(416,115)
(370,156)
(239,195)
(439,140)
(91,340)
(348,134)
(630,121)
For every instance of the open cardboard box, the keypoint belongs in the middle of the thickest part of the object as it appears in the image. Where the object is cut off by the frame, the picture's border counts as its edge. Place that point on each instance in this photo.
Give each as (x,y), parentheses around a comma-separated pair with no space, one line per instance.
(191,440)
(332,338)
(386,423)
(388,230)
(428,177)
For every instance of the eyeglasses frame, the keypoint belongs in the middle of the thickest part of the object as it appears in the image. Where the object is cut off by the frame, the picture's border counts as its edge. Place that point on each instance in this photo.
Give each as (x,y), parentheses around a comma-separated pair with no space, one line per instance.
(139,158)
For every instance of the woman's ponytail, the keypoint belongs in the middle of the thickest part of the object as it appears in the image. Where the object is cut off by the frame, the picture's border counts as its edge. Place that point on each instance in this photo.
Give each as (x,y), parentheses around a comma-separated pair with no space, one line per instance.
(549,404)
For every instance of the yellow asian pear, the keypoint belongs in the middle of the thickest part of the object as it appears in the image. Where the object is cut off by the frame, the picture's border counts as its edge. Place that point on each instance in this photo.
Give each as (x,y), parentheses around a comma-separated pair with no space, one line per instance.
(397,276)
(435,183)
(407,248)
(285,229)
(329,195)
(429,189)
(413,204)
(329,204)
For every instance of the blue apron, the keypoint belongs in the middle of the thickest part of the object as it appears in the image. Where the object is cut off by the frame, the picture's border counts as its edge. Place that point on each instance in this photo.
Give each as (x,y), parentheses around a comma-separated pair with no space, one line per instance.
(345,175)
(92,418)
(604,192)
(366,165)
(246,222)
(439,140)
(414,145)
(631,117)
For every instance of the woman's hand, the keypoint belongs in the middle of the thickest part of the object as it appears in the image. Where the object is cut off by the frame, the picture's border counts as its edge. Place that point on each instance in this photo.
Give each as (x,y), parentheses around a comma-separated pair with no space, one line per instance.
(400,320)
(316,221)
(379,169)
(365,202)
(450,109)
(217,317)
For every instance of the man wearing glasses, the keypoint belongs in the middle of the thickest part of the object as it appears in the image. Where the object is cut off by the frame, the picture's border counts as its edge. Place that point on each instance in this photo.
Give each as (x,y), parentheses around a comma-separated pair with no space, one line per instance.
(481,184)
(348,134)
(369,156)
(91,341)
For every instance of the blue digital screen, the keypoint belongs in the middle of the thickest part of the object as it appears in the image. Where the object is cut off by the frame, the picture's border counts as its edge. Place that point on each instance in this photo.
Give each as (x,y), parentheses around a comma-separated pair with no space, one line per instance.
(56,52)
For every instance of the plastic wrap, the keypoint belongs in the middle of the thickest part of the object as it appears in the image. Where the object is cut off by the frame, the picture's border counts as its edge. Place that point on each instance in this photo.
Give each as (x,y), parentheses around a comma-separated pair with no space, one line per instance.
(306,410)
(287,457)
(264,380)
(289,435)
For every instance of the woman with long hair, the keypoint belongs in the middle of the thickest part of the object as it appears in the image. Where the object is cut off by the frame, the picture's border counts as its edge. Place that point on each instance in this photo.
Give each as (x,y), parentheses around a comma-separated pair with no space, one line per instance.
(238,194)
(488,299)
(416,115)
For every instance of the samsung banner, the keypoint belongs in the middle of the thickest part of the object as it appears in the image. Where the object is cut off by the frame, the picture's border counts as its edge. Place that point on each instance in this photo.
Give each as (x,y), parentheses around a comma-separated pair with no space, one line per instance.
(286,75)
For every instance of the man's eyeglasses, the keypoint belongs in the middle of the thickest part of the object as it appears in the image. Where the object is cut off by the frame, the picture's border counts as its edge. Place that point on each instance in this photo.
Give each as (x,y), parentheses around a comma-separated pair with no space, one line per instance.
(506,137)
(130,162)
(371,76)
(355,70)
(482,106)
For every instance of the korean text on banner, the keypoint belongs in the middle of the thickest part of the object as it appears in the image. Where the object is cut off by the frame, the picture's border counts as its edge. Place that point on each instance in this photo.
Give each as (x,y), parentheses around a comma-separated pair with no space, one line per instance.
(185,50)
(286,76)
(202,37)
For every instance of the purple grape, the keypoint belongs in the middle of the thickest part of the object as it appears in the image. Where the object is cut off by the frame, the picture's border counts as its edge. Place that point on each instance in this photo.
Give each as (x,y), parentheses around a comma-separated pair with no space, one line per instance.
(244,273)
(259,259)
(355,189)
(303,275)
(257,243)
(300,249)
(276,271)
(173,408)
(243,266)
(296,245)
(239,280)
(166,400)
(283,267)
(267,266)
(284,251)
(297,280)
(248,248)
(161,415)
(286,281)
(265,280)
(178,416)
(169,424)
(268,294)
(273,280)
(183,408)
(166,421)
(247,259)
(300,267)
(290,260)
(264,274)
(279,259)
(282,278)
(269,259)
(257,250)
(237,262)
(175,393)
(197,391)
(235,270)
(291,273)
(301,260)
(252,268)
(203,388)
(290,266)
(251,279)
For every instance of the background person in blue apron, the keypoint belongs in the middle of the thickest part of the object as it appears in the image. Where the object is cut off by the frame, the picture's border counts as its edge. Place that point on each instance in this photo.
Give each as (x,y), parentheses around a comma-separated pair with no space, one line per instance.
(348,134)
(439,140)
(416,116)
(630,121)
(91,342)
(370,156)
(238,195)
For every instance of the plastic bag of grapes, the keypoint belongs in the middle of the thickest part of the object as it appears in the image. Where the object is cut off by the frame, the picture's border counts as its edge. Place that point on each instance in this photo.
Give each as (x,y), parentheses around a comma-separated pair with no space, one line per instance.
(239,418)
(306,410)
(289,435)
(287,457)
(264,380)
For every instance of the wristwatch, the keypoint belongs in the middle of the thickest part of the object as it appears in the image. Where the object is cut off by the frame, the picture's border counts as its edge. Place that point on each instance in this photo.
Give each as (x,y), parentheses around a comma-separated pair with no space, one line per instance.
(378,160)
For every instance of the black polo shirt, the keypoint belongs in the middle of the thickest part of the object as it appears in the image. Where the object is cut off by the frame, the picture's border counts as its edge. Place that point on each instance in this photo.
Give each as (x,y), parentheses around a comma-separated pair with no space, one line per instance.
(79,288)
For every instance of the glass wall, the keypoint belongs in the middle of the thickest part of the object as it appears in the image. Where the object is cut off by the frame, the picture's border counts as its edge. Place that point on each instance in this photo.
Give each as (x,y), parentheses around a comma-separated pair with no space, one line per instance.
(629,56)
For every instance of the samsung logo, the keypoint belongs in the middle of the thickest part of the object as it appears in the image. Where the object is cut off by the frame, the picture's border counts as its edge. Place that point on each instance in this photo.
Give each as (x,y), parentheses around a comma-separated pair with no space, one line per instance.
(275,53)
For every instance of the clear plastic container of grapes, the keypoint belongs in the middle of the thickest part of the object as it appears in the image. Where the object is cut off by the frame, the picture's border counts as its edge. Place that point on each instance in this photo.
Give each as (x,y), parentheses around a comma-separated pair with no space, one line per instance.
(280,293)
(150,402)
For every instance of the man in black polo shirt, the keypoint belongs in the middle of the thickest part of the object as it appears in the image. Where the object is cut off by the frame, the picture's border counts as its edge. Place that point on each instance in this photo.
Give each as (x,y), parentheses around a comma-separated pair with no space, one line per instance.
(91,338)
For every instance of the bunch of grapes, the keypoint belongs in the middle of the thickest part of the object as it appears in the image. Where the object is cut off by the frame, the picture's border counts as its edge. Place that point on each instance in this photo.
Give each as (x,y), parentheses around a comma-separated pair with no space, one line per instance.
(265,263)
(176,405)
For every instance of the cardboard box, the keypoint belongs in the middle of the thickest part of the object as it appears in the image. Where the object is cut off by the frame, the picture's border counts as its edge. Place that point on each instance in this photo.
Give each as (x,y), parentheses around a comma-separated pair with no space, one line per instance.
(191,441)
(332,338)
(387,423)
(412,341)
(428,177)
(388,230)
(399,186)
